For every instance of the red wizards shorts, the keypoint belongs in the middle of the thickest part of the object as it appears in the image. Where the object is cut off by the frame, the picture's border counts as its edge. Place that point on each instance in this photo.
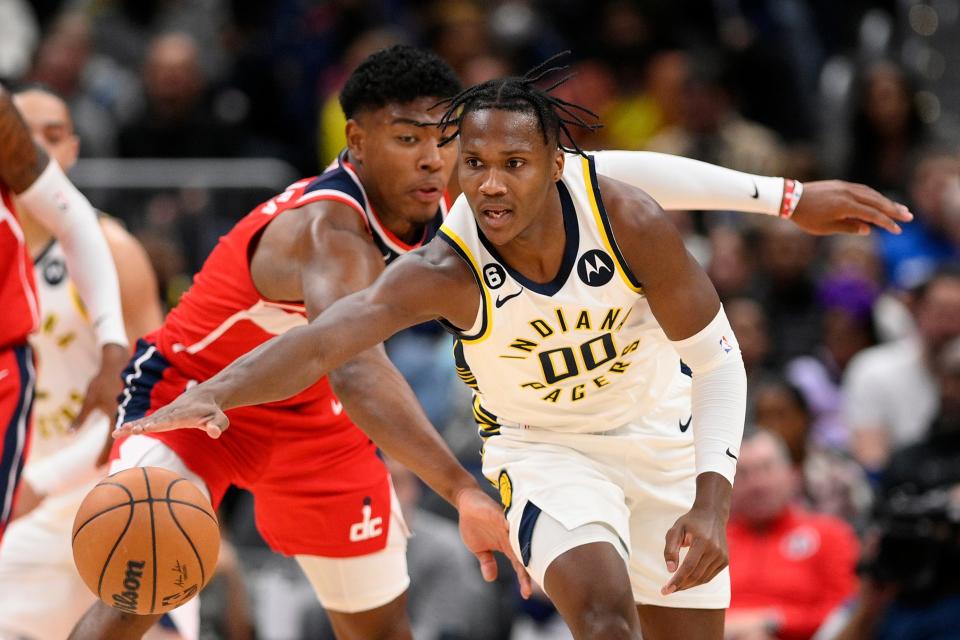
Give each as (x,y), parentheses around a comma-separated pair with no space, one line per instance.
(17,378)
(315,477)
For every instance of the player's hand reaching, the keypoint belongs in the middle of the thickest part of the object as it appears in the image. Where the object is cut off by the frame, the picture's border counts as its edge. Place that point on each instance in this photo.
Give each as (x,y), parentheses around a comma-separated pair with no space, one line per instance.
(834,206)
(485,530)
(194,409)
(105,386)
(702,531)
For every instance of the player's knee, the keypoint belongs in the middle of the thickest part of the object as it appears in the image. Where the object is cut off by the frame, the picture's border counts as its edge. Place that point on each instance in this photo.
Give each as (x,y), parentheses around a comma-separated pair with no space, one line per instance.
(601,622)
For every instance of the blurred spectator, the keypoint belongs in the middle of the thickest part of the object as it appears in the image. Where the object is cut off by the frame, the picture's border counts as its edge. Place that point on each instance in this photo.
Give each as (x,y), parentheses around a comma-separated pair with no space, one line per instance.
(914,254)
(787,290)
(457,30)
(886,128)
(749,323)
(731,267)
(782,410)
(712,130)
(176,121)
(789,568)
(19,34)
(912,590)
(847,328)
(332,123)
(636,117)
(101,94)
(890,395)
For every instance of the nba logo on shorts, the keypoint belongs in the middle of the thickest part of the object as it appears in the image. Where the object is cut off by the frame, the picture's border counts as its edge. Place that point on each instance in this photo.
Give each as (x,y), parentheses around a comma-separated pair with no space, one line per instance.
(368,527)
(725,345)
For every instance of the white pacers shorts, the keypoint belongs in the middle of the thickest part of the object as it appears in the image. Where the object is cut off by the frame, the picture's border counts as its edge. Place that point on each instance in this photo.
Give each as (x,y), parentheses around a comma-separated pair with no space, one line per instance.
(347,585)
(627,486)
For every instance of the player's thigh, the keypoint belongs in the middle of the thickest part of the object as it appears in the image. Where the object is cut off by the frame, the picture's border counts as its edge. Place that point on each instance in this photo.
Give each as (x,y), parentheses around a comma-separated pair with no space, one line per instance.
(588,581)
(668,623)
(347,586)
(144,451)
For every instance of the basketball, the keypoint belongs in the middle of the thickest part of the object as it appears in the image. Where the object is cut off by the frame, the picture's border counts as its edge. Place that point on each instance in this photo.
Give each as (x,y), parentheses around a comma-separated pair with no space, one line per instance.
(145,540)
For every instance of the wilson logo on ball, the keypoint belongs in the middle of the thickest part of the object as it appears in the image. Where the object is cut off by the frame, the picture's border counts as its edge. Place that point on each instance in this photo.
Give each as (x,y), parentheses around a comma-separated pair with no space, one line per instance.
(127,600)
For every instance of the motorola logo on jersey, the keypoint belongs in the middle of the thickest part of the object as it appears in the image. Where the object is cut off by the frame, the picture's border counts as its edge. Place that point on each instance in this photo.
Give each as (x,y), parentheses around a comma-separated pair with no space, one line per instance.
(54,271)
(595,268)
(494,275)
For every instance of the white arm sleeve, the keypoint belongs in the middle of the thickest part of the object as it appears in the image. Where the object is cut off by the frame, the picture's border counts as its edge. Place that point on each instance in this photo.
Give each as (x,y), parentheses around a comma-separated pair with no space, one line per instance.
(719,395)
(56,204)
(73,465)
(681,183)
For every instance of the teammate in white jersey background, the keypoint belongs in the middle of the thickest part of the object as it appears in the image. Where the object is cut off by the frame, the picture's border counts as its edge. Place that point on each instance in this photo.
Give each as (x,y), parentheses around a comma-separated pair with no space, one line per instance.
(587,318)
(41,595)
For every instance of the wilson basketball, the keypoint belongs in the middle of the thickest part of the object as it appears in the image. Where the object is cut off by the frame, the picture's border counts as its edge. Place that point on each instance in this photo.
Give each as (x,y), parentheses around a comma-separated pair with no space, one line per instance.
(145,540)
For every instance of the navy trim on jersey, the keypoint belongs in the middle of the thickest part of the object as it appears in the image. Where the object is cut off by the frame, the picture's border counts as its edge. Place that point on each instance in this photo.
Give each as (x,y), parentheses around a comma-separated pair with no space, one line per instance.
(140,376)
(685,369)
(476,276)
(17,432)
(607,227)
(572,232)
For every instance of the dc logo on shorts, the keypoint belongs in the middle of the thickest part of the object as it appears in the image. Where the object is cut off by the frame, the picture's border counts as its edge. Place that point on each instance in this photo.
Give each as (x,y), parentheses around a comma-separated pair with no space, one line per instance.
(54,271)
(367,527)
(494,275)
(595,268)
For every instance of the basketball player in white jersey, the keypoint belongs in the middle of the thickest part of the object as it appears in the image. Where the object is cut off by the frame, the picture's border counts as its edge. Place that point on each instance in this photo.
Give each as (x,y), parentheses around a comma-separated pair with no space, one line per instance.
(608,383)
(41,595)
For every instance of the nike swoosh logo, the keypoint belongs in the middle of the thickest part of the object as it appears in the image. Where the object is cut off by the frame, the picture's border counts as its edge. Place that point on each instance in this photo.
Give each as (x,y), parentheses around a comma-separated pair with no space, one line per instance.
(502,301)
(730,454)
(685,425)
(756,192)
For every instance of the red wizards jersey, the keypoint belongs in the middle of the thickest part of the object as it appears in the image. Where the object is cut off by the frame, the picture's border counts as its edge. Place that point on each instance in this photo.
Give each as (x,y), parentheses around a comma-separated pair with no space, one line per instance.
(18,298)
(222,316)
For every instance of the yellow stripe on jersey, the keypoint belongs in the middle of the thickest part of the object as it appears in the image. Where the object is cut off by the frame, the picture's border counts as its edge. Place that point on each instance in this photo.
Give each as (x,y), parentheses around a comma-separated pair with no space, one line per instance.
(607,238)
(458,245)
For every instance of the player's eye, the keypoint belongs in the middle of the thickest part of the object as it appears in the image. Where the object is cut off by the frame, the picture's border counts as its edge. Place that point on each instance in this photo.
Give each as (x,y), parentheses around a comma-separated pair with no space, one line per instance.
(473,163)
(406,139)
(515,163)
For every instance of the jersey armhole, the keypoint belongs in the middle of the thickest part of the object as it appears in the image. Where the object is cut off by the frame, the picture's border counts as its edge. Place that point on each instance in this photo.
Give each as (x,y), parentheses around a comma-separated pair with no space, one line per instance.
(603,223)
(481,326)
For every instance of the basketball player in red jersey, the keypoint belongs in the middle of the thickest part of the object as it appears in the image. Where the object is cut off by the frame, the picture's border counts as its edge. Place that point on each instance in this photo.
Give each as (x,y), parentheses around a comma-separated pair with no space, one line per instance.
(28,179)
(321,493)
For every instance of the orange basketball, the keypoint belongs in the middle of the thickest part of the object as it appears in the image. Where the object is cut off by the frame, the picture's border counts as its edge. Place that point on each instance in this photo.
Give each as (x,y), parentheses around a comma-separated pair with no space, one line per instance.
(145,540)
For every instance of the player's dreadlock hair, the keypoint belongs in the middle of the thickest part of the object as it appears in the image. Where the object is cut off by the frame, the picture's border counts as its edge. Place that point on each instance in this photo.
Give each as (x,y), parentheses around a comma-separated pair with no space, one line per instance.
(555,115)
(398,74)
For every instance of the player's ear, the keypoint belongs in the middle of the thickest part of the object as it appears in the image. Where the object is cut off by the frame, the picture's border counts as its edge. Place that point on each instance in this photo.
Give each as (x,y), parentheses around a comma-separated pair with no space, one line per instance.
(356,137)
(558,158)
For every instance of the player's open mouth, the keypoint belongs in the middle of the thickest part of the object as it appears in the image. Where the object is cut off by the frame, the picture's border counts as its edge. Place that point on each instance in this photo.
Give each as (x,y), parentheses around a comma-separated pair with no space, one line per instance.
(496,216)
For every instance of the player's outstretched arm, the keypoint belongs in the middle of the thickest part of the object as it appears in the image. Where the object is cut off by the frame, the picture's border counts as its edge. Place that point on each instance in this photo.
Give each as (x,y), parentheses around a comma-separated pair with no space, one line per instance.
(824,207)
(44,191)
(688,309)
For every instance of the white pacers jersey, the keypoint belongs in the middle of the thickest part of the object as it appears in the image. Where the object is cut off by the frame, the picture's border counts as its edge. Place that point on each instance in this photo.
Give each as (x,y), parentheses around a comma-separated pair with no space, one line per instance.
(582,353)
(67,355)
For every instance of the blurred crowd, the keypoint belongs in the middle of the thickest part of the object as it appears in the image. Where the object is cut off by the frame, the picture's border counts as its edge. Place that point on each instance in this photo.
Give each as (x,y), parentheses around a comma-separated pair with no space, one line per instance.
(851,344)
